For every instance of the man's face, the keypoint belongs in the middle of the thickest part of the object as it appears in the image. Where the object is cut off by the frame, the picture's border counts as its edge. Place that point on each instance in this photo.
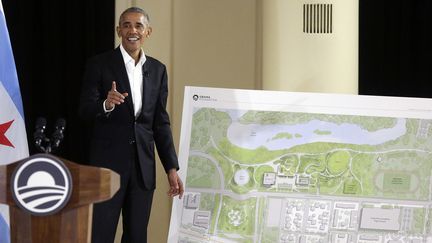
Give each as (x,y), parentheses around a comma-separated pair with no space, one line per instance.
(133,31)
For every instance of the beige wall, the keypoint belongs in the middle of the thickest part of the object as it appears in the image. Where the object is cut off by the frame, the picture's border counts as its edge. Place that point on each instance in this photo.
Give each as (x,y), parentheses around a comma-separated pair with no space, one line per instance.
(203,43)
(309,62)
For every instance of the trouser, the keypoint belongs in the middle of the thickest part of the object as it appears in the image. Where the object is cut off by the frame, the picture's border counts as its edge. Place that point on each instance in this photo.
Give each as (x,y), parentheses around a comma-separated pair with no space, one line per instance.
(133,202)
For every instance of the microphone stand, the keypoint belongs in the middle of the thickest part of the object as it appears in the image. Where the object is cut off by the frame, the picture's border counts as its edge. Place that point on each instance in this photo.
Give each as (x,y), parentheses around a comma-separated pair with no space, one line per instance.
(42,142)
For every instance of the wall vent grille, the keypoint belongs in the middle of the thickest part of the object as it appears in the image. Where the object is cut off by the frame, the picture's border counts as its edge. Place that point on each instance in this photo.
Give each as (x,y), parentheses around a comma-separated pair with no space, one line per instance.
(318,18)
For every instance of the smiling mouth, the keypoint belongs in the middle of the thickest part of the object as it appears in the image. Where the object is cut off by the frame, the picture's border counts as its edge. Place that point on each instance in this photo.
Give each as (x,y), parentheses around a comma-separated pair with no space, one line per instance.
(133,38)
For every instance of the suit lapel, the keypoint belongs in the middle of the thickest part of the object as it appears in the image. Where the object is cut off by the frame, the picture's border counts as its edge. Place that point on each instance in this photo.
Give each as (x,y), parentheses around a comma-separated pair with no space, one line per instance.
(122,81)
(146,83)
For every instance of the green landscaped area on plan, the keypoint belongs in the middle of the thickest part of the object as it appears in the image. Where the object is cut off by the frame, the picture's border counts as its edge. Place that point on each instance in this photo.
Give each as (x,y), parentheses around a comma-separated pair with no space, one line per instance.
(331,168)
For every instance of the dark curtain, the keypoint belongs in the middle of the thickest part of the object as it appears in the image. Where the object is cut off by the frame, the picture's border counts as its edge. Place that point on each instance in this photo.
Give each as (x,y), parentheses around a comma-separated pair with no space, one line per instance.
(395,48)
(51,41)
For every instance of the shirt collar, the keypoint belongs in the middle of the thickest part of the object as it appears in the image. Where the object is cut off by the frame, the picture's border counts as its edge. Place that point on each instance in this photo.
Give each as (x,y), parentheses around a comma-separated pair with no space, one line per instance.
(127,58)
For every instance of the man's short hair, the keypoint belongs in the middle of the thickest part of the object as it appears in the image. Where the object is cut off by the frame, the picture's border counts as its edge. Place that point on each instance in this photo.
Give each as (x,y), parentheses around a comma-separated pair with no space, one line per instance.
(136,10)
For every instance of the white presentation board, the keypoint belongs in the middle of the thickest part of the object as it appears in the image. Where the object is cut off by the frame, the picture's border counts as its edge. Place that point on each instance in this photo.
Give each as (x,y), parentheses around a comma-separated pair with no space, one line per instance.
(267,166)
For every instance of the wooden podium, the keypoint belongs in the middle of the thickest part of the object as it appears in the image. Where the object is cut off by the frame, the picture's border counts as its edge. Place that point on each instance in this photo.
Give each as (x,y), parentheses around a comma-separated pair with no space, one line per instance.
(71,223)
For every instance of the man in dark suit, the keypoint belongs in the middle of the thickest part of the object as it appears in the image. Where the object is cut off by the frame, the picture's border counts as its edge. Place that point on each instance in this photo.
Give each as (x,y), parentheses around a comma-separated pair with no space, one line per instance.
(124,94)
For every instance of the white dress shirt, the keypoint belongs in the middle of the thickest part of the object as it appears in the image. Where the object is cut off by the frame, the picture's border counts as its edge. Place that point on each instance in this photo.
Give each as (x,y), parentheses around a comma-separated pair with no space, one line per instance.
(135,76)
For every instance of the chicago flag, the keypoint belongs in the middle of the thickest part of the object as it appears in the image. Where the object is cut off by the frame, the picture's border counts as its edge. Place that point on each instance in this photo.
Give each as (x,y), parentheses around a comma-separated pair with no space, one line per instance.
(13,138)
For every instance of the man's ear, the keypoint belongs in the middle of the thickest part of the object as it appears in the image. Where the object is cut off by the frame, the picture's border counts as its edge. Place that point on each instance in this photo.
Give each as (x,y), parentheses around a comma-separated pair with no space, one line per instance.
(149,31)
(118,31)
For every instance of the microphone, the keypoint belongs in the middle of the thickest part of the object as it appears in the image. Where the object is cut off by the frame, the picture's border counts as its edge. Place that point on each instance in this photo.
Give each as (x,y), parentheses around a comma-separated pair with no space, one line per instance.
(58,134)
(39,135)
(146,74)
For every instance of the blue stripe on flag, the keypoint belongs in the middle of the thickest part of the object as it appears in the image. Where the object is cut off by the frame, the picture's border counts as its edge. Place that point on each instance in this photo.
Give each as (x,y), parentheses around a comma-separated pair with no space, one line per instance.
(4,231)
(8,75)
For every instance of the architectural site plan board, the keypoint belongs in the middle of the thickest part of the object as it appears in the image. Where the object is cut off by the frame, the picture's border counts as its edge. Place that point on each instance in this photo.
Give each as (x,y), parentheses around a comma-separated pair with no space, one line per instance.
(288,167)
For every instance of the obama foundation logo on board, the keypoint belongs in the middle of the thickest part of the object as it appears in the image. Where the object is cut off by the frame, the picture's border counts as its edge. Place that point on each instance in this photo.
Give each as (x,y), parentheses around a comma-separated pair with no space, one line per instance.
(41,185)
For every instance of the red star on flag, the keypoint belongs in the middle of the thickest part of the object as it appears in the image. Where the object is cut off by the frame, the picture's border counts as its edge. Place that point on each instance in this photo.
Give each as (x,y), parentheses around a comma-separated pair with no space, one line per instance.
(3,139)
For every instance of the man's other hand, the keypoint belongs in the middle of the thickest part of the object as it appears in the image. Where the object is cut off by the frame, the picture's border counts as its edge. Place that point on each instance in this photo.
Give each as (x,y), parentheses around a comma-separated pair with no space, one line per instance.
(176,185)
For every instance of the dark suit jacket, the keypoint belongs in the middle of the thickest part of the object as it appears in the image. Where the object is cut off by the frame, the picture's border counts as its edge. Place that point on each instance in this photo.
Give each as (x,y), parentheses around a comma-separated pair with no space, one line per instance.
(116,134)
